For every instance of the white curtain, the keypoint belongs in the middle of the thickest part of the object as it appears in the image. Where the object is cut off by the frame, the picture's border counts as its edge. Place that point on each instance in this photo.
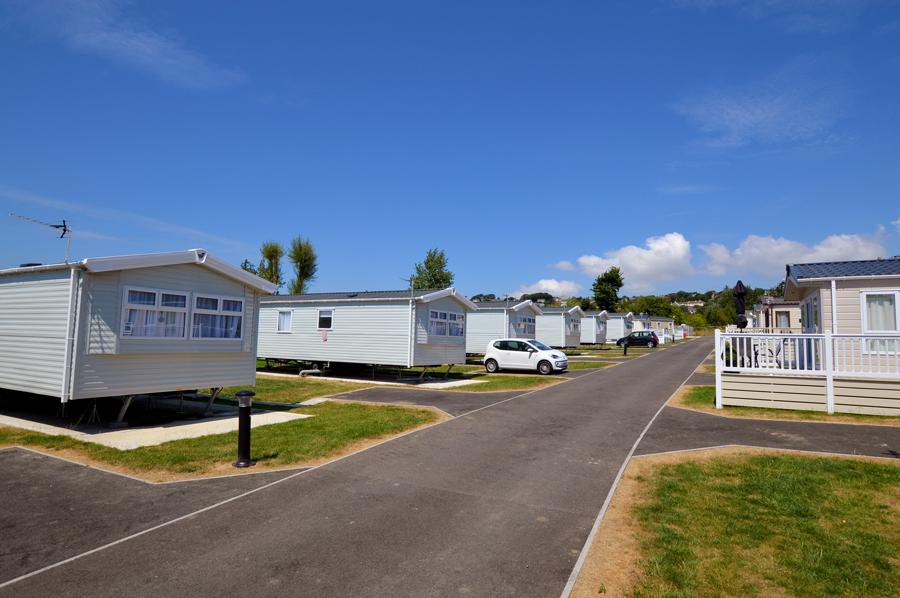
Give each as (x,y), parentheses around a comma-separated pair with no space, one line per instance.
(154,323)
(881,312)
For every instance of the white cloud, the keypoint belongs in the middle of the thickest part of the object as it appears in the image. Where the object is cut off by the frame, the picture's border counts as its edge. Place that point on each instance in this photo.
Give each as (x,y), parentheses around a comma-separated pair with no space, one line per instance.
(686,189)
(98,27)
(767,256)
(663,258)
(791,16)
(131,219)
(563,265)
(557,288)
(896,223)
(799,103)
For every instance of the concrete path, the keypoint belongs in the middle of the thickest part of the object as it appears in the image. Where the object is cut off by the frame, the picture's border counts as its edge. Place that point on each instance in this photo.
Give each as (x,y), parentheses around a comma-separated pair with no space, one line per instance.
(680,429)
(496,502)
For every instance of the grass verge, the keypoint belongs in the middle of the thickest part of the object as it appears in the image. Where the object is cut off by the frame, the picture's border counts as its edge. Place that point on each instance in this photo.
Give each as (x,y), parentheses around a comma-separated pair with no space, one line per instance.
(589,365)
(748,522)
(703,398)
(296,390)
(767,525)
(337,428)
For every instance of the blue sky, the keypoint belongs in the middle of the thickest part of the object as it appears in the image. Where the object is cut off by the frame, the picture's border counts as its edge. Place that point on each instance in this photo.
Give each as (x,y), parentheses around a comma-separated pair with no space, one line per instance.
(690,142)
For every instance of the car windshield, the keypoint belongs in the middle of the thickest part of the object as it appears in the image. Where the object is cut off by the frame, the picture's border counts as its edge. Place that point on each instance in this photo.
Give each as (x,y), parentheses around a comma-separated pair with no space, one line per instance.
(539,345)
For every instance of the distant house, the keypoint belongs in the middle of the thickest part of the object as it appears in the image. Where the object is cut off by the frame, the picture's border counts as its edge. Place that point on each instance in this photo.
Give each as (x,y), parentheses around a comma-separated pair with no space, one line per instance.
(846,360)
(559,326)
(500,319)
(776,314)
(128,325)
(663,327)
(398,328)
(690,306)
(618,325)
(593,327)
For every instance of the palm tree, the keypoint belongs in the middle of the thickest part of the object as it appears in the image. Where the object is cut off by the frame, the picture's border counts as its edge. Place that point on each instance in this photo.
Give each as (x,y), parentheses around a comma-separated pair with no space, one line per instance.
(303,257)
(270,264)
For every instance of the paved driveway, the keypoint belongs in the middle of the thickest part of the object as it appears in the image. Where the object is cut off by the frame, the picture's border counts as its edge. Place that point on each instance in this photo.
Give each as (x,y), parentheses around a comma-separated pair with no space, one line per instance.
(498,501)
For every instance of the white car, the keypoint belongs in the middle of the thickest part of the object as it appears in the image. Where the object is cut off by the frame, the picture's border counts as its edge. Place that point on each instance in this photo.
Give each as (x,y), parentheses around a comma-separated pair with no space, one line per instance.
(523,354)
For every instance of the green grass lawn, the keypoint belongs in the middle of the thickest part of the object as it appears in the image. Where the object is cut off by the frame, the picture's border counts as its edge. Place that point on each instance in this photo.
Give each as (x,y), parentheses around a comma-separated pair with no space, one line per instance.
(336,426)
(704,398)
(770,526)
(589,365)
(506,381)
(296,390)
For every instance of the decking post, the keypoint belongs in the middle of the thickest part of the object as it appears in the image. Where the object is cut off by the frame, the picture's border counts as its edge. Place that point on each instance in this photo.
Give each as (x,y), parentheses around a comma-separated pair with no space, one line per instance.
(829,372)
(719,365)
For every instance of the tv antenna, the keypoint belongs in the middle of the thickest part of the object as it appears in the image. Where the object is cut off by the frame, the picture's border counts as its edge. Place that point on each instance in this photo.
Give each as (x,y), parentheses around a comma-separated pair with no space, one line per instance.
(65,231)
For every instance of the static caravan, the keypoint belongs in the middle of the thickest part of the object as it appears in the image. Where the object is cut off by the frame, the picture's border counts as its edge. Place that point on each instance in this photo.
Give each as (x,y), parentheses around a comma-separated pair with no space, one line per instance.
(662,326)
(128,325)
(593,327)
(398,328)
(500,319)
(845,358)
(618,325)
(559,326)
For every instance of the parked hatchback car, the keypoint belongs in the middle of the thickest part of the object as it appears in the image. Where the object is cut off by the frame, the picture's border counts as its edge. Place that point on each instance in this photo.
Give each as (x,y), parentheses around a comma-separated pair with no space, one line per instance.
(523,354)
(641,338)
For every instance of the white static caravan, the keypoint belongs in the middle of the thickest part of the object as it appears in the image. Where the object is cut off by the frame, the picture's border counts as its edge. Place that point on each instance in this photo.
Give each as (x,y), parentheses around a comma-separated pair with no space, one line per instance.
(500,319)
(618,325)
(128,325)
(593,327)
(559,326)
(397,328)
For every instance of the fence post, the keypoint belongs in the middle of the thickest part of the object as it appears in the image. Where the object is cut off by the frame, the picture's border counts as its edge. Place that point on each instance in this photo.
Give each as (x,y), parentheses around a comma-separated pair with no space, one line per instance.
(829,372)
(719,365)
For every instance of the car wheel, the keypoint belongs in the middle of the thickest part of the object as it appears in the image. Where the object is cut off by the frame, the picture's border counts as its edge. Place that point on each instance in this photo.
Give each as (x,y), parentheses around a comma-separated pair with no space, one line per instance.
(545,368)
(491,366)
(651,344)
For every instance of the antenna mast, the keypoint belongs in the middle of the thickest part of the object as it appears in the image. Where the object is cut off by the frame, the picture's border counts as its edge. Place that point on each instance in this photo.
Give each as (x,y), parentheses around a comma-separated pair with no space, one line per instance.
(65,231)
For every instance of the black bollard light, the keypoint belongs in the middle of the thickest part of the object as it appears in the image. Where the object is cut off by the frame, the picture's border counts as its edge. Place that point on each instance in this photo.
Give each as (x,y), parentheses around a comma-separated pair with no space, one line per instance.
(625,348)
(245,404)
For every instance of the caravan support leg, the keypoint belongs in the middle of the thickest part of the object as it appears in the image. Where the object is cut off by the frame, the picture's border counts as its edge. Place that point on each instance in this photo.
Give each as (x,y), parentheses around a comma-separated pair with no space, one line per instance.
(213,395)
(120,419)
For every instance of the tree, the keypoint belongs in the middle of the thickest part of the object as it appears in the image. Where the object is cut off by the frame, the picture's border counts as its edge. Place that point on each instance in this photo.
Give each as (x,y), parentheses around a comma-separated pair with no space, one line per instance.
(270,264)
(585,303)
(432,273)
(483,297)
(650,305)
(606,289)
(542,298)
(303,257)
(248,266)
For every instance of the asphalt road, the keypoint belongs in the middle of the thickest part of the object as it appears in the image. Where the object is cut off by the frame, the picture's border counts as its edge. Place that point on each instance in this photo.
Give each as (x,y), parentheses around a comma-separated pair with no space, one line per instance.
(682,429)
(495,502)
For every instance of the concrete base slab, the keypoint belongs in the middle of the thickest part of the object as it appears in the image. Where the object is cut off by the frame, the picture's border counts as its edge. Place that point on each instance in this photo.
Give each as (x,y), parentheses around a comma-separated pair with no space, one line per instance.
(153,435)
(407,382)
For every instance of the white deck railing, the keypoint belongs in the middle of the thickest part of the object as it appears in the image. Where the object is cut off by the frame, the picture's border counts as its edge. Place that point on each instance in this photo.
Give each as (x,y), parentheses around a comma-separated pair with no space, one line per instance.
(822,355)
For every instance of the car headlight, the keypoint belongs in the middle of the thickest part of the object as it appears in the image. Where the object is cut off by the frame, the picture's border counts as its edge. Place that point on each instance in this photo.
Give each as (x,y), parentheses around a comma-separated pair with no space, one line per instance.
(555,356)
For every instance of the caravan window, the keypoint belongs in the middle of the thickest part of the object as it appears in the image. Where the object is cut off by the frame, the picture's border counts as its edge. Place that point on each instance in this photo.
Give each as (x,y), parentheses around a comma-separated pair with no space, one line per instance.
(217,318)
(880,313)
(457,324)
(444,323)
(285,319)
(437,323)
(325,319)
(150,313)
